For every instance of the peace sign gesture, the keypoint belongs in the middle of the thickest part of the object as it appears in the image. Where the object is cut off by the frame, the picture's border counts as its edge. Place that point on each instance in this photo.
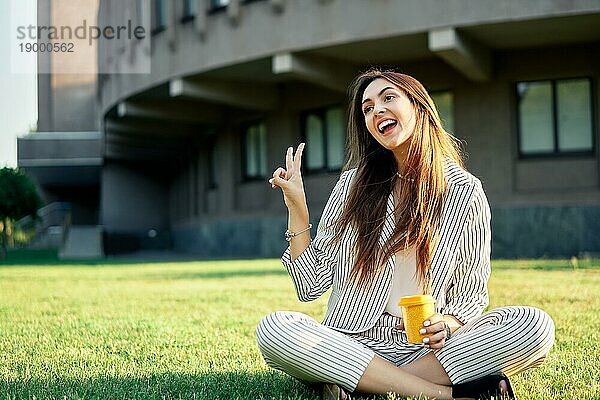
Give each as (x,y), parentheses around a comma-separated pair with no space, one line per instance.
(289,179)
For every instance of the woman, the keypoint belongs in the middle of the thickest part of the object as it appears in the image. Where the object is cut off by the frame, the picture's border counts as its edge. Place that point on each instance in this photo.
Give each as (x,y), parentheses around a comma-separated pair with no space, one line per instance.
(404,218)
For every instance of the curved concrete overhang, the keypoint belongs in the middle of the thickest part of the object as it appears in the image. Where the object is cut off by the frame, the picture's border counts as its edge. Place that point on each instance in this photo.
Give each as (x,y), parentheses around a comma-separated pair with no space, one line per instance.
(238,58)
(61,159)
(391,32)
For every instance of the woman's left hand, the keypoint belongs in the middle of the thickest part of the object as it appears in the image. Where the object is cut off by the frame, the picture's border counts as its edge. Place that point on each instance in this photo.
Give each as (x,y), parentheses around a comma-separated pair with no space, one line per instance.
(436,326)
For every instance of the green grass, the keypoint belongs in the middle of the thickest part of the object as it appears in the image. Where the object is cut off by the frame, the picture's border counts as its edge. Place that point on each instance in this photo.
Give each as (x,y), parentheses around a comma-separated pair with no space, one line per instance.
(24,256)
(186,330)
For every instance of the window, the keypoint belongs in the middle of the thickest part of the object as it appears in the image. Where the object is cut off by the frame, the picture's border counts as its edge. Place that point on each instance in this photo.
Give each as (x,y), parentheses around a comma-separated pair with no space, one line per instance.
(444,102)
(159,15)
(218,4)
(189,9)
(212,165)
(555,117)
(139,10)
(255,151)
(324,134)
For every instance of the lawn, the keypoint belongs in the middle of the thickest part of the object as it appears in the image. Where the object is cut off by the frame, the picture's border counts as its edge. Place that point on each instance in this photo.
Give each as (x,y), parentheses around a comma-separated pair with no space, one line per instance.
(186,330)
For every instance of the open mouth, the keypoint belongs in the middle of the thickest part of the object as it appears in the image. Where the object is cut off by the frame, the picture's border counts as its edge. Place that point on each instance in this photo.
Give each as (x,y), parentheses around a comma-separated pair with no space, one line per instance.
(386,126)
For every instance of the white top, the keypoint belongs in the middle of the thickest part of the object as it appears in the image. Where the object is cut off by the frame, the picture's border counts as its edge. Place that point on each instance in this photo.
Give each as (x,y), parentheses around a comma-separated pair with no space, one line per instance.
(404,281)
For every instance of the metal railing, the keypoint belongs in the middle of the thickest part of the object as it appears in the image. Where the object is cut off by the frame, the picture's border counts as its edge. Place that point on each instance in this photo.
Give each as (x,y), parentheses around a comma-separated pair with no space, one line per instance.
(51,226)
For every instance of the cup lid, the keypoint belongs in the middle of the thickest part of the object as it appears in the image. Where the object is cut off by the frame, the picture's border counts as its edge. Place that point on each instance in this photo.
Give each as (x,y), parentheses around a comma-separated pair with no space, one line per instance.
(415,300)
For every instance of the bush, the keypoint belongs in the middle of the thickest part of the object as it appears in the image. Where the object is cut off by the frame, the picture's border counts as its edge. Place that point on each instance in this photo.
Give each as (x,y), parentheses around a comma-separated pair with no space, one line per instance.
(18,198)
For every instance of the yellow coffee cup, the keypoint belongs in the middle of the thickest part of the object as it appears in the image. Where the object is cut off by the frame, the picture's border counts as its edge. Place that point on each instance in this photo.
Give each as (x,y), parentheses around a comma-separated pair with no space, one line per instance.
(415,310)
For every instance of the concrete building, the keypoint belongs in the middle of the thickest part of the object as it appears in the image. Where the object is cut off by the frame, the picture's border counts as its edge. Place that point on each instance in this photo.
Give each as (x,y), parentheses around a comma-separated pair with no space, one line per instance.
(65,155)
(188,148)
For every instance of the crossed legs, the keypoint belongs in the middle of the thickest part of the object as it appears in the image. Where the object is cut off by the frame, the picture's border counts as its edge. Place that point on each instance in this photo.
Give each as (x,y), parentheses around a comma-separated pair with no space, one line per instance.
(509,339)
(381,377)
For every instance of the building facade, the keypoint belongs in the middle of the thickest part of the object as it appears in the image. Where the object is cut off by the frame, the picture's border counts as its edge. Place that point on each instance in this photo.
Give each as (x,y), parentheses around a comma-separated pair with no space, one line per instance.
(188,148)
(65,155)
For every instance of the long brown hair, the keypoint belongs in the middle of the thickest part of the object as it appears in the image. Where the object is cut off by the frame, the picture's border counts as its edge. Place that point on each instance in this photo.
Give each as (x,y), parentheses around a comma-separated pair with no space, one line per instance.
(422,185)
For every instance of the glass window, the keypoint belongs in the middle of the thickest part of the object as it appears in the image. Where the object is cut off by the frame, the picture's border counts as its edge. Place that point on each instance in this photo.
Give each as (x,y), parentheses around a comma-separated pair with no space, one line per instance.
(535,117)
(255,151)
(334,120)
(444,102)
(315,158)
(555,117)
(574,115)
(139,11)
(212,165)
(159,15)
(324,133)
(189,8)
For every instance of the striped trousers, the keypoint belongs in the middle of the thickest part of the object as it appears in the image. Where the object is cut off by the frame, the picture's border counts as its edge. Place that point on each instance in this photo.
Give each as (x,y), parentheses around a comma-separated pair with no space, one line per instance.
(507,339)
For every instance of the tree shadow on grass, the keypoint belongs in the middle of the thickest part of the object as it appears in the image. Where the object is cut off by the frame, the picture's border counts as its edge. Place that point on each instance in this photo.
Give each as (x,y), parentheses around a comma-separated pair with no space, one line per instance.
(239,273)
(218,385)
(29,257)
(236,385)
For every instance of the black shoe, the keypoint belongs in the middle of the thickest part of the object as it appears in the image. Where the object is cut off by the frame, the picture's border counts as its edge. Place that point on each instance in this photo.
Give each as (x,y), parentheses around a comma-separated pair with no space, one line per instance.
(484,388)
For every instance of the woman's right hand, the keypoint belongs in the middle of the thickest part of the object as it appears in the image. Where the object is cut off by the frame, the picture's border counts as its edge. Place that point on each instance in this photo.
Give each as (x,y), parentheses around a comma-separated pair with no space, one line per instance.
(289,179)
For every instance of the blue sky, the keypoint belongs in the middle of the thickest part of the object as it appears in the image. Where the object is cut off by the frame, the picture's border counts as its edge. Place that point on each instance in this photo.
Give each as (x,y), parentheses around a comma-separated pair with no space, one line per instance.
(18,94)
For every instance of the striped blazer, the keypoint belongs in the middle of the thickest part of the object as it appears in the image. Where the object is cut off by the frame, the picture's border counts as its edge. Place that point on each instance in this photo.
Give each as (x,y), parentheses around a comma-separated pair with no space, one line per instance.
(460,264)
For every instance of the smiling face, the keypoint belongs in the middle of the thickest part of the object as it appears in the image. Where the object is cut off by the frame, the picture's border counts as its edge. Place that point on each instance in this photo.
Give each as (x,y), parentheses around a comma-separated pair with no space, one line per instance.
(389,115)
